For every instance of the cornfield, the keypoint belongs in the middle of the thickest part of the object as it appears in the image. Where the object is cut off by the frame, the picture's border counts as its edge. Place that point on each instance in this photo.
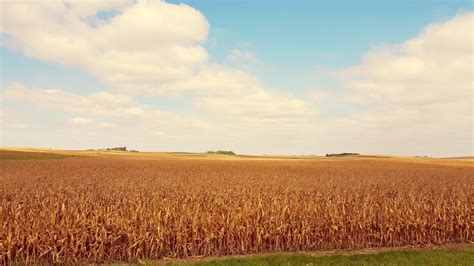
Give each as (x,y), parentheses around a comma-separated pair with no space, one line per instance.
(116,208)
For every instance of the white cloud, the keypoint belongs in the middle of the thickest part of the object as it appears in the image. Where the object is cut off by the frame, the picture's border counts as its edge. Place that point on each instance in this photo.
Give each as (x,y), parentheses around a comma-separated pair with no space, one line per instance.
(318,95)
(243,58)
(415,92)
(433,70)
(20,125)
(236,93)
(144,45)
(90,122)
(219,123)
(150,48)
(106,125)
(434,67)
(96,104)
(81,121)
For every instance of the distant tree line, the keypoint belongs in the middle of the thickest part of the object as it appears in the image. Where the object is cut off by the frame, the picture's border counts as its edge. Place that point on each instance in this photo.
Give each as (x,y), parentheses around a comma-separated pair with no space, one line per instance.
(117,149)
(341,154)
(120,149)
(221,152)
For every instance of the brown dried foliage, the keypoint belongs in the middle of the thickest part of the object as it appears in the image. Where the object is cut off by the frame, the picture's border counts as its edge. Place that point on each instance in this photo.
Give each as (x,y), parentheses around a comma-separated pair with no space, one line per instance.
(95,209)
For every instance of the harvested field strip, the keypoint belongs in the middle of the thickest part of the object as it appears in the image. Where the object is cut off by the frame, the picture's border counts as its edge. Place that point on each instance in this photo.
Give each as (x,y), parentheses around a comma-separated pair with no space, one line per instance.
(22,155)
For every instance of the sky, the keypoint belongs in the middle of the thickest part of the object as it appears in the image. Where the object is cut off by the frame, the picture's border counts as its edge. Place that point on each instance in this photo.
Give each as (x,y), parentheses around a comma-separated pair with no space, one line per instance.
(255,77)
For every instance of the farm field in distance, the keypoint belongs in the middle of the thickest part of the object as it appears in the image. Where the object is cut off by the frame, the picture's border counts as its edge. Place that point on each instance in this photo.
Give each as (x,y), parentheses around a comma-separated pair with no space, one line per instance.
(77,206)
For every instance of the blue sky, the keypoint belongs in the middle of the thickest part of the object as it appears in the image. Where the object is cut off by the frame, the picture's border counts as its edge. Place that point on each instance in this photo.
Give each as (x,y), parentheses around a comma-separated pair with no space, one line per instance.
(291,48)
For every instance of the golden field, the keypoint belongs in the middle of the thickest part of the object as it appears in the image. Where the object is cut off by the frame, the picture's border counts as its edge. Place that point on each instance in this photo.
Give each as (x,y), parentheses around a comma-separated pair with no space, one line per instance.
(123,207)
